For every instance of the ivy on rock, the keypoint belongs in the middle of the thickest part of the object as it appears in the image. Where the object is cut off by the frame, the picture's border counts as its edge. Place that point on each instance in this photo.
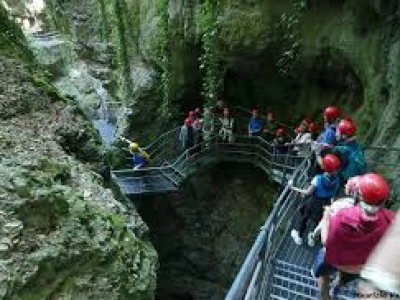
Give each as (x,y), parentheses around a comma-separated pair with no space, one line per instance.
(164,57)
(210,57)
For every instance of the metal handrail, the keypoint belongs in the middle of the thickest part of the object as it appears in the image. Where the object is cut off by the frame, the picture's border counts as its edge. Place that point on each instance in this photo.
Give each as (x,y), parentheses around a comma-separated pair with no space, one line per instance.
(247,149)
(239,286)
(282,214)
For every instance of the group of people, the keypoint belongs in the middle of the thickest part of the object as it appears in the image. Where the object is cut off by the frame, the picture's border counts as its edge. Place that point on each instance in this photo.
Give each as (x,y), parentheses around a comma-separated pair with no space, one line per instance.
(348,228)
(352,226)
(198,127)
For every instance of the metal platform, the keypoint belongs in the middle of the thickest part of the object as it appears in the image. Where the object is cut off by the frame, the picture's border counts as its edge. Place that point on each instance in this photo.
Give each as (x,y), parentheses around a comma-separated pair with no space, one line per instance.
(176,167)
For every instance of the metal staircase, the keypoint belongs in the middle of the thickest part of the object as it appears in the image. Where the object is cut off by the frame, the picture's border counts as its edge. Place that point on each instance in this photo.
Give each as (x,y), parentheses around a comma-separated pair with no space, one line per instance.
(277,268)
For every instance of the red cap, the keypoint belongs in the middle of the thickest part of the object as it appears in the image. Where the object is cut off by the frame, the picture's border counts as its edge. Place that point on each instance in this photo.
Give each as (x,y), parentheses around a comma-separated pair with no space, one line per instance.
(347,127)
(188,122)
(313,127)
(374,189)
(331,113)
(330,163)
(280,131)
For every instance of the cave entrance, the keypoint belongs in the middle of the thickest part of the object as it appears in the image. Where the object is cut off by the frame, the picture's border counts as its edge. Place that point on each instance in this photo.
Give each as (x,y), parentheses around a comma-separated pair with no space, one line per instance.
(203,232)
(326,79)
(330,79)
(254,81)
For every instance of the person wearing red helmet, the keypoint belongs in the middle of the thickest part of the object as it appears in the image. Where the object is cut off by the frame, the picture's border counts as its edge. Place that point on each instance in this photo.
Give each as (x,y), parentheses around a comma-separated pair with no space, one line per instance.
(350,235)
(191,115)
(322,189)
(350,152)
(331,116)
(186,136)
(351,191)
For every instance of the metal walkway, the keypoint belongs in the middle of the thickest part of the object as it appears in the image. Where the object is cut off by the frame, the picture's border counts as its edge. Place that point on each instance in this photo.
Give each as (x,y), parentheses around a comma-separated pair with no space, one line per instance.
(172,167)
(277,268)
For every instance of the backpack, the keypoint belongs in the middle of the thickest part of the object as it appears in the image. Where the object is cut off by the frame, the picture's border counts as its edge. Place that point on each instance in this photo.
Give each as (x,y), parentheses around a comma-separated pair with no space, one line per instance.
(356,163)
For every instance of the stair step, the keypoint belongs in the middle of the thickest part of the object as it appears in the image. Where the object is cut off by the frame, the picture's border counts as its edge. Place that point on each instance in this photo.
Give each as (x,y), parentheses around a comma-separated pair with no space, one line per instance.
(291,294)
(286,277)
(284,272)
(293,266)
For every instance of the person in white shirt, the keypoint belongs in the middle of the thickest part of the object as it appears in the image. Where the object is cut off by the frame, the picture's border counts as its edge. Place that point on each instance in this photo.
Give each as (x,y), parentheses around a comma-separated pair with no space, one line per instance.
(302,142)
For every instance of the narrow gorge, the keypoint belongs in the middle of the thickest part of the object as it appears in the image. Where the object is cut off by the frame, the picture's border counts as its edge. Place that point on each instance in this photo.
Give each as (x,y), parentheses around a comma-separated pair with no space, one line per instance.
(75,76)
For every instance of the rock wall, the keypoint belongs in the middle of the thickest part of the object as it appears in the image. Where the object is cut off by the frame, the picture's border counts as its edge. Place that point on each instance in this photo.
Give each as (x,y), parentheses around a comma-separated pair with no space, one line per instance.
(63,235)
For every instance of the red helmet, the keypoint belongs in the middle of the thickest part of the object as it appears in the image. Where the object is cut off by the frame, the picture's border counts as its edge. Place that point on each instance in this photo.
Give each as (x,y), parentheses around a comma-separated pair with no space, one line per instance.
(191,114)
(280,131)
(347,127)
(331,113)
(313,127)
(188,122)
(330,163)
(374,189)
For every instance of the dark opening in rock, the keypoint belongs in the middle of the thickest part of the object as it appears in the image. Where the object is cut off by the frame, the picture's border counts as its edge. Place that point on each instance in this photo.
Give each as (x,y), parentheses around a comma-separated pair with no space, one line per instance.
(204,232)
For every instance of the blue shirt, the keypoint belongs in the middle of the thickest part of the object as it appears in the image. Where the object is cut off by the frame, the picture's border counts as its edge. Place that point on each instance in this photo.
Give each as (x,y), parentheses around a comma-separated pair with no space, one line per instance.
(138,160)
(328,136)
(326,186)
(256,124)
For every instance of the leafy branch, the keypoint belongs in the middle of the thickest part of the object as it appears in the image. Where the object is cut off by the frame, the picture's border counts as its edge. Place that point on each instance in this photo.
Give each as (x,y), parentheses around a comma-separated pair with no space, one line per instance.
(210,57)
(164,56)
(288,36)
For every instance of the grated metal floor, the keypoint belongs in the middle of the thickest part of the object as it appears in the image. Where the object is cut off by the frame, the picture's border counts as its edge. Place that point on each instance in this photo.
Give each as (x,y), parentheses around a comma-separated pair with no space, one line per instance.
(291,273)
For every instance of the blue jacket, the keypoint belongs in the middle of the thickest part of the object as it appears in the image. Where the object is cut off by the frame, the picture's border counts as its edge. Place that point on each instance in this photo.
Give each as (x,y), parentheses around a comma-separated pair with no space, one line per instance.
(327,186)
(256,124)
(138,160)
(328,136)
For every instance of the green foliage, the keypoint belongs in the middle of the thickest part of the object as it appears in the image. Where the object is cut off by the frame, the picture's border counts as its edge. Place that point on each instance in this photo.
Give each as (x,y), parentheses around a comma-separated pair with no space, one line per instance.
(120,10)
(164,56)
(287,35)
(210,57)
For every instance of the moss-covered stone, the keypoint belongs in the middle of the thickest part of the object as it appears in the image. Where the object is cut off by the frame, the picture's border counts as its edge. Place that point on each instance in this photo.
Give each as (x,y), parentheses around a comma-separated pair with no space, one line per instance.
(63,235)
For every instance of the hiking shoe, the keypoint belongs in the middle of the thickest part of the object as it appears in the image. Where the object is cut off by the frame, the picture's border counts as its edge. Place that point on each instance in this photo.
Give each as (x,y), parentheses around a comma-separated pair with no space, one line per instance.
(296,237)
(311,239)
